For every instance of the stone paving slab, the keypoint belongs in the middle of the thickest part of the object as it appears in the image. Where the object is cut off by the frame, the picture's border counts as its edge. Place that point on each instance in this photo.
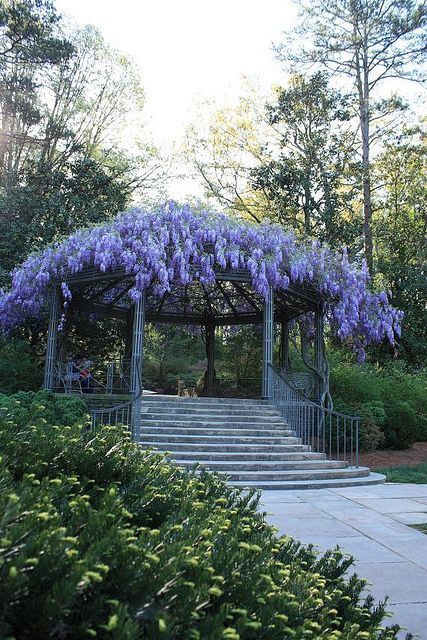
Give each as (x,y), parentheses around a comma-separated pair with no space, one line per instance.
(370,523)
(361,548)
(414,517)
(389,505)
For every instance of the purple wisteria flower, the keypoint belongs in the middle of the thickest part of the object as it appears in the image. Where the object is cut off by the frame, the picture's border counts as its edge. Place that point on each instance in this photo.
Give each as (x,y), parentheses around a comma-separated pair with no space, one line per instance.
(175,245)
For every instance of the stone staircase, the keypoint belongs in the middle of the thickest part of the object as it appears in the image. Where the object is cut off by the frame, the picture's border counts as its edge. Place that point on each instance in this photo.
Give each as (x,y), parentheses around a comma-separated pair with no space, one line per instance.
(247,440)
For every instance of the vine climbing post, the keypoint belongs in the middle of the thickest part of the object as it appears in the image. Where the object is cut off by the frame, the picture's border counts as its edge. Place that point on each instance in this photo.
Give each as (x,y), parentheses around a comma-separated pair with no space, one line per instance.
(319,354)
(284,344)
(52,339)
(267,344)
(136,363)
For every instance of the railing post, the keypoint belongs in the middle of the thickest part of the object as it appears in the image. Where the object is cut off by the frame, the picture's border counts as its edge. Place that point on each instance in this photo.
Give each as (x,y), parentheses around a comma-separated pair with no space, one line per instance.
(136,363)
(110,377)
(267,344)
(52,340)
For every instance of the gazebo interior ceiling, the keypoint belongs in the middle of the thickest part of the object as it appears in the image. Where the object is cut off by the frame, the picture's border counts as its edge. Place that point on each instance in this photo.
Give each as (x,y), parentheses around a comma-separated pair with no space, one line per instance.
(231,299)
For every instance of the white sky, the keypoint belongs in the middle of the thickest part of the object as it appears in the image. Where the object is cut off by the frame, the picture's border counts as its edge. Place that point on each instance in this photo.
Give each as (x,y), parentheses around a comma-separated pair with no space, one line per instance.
(189,49)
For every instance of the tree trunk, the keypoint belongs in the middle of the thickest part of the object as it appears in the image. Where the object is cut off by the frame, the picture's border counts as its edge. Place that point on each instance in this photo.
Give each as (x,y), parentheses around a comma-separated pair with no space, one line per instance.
(362,75)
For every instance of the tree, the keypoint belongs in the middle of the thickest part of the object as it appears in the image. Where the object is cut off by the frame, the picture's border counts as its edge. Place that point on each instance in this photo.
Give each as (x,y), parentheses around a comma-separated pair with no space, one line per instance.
(66,112)
(310,179)
(29,44)
(223,146)
(370,42)
(400,226)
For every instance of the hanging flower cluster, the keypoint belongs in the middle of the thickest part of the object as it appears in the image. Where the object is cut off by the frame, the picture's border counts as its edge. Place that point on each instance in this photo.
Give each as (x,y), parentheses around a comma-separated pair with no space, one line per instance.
(174,244)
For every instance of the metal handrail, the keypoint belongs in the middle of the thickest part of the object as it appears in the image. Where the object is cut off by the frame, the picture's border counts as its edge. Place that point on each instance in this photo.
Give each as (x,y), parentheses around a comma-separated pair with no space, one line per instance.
(126,413)
(324,430)
(106,377)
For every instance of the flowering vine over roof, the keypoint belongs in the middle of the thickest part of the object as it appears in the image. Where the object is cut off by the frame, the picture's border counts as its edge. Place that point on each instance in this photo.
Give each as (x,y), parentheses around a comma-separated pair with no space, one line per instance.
(174,244)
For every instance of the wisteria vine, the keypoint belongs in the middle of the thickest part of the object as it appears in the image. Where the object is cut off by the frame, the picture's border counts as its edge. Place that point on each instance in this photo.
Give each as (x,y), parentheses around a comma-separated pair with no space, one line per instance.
(174,244)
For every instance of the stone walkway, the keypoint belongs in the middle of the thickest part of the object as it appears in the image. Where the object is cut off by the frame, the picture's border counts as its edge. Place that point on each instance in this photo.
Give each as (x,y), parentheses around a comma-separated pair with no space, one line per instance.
(370,523)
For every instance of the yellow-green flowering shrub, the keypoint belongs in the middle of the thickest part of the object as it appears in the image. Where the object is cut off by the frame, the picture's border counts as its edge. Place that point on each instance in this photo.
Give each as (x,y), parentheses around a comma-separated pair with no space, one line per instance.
(101,539)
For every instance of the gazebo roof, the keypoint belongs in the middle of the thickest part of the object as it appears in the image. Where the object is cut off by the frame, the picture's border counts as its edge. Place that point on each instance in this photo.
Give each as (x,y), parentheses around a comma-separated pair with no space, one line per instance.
(196,265)
(229,300)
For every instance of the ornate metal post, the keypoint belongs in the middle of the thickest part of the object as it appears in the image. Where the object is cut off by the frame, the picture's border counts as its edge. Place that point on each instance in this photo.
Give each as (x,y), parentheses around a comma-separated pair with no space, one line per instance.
(284,344)
(210,354)
(52,340)
(136,363)
(267,344)
(319,354)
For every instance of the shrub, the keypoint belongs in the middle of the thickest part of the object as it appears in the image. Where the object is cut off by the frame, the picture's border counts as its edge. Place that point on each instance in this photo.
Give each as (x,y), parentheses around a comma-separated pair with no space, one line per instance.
(44,405)
(372,416)
(402,425)
(102,539)
(19,367)
(400,395)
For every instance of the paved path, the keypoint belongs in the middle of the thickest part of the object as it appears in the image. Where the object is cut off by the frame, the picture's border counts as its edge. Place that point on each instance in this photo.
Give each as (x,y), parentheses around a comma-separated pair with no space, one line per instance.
(371,524)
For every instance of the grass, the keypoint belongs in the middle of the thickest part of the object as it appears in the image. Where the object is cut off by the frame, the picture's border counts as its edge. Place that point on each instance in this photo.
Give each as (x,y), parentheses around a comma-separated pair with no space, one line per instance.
(415,475)
(420,527)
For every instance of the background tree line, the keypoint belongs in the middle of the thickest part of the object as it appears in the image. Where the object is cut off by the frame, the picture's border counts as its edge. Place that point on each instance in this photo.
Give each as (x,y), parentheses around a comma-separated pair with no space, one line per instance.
(72,146)
(337,153)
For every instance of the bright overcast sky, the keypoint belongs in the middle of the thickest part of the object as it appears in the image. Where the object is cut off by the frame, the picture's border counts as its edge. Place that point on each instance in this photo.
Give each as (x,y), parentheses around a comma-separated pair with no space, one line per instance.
(189,49)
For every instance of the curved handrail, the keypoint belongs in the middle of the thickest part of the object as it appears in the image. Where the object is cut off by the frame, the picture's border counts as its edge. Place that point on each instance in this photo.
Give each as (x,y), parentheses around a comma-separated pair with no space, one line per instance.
(303,397)
(124,408)
(324,430)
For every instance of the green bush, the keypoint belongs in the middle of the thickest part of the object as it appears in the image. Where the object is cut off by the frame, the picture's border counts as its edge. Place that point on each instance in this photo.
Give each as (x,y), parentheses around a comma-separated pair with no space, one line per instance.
(102,539)
(19,367)
(44,405)
(392,402)
(372,416)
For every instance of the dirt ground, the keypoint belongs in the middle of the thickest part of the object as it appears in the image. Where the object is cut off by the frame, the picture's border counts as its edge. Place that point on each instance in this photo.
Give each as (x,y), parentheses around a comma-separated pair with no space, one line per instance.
(391,458)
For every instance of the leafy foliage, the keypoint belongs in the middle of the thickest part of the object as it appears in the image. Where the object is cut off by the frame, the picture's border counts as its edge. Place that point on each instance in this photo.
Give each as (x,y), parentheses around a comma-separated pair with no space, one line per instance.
(19,368)
(305,182)
(44,406)
(391,402)
(102,539)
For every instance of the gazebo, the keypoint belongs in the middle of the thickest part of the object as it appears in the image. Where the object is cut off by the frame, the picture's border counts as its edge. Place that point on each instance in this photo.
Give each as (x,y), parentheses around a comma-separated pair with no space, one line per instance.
(230,300)
(200,268)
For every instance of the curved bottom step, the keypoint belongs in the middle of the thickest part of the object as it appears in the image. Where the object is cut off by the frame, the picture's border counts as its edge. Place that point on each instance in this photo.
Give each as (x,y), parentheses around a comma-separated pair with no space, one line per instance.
(371,479)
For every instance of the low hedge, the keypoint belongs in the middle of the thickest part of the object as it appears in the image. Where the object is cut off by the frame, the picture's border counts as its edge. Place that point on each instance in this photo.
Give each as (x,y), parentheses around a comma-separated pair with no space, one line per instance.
(101,539)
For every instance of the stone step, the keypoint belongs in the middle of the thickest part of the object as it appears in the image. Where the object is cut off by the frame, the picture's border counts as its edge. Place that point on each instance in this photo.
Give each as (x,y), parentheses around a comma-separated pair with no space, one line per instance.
(159,438)
(259,477)
(261,456)
(236,466)
(214,447)
(197,401)
(204,416)
(299,485)
(212,431)
(176,423)
(210,411)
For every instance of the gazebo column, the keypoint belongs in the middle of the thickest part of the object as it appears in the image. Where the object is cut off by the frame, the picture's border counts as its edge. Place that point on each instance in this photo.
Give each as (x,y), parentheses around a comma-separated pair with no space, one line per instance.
(267,344)
(284,344)
(319,354)
(52,339)
(136,363)
(210,355)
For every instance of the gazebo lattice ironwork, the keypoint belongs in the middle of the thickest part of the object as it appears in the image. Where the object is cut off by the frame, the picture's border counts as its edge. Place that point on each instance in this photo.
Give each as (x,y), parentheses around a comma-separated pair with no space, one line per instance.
(230,300)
